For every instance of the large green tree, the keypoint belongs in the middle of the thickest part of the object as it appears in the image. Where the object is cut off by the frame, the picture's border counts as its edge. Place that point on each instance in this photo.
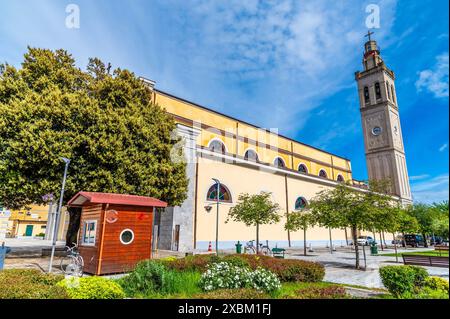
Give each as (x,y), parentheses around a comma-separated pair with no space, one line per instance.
(255,210)
(117,138)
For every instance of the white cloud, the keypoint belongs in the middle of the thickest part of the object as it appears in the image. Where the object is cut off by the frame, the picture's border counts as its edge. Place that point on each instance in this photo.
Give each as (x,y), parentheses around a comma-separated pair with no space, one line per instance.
(435,80)
(418,177)
(294,53)
(431,190)
(443,147)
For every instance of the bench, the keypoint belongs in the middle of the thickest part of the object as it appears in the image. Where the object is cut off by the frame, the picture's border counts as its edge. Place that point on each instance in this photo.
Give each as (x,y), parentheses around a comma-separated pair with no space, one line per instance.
(441,248)
(278,252)
(431,261)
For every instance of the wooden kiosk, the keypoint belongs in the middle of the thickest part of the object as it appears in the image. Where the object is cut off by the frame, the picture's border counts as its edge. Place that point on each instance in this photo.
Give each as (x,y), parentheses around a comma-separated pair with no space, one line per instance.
(115,230)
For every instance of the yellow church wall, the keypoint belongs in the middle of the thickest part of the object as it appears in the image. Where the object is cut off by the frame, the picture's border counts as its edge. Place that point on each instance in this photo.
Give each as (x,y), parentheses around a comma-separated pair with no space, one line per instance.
(239,179)
(239,136)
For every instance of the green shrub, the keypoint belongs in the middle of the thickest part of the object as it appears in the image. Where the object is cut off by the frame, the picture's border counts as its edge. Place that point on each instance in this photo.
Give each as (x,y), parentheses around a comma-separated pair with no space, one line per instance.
(437,283)
(92,288)
(287,270)
(191,263)
(152,279)
(243,293)
(30,284)
(401,280)
(224,275)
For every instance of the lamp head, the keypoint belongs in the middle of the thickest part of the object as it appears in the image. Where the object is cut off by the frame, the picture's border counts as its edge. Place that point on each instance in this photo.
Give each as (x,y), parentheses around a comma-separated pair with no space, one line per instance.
(208,208)
(66,160)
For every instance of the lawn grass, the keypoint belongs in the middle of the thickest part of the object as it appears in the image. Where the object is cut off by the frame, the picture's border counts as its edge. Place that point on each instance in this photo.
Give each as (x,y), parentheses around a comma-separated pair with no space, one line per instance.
(419,253)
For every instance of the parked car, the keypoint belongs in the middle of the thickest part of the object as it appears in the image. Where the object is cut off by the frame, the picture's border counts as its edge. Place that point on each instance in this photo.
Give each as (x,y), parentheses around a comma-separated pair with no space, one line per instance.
(398,240)
(435,240)
(365,240)
(414,240)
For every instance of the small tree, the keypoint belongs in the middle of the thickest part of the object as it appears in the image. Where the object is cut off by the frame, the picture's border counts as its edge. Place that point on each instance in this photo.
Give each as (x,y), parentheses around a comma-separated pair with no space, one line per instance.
(406,224)
(300,220)
(342,206)
(255,210)
(425,217)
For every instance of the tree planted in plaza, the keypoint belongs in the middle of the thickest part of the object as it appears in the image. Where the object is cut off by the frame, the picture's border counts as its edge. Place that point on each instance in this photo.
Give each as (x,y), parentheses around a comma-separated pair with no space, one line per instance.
(300,220)
(255,210)
(106,123)
(342,206)
(426,218)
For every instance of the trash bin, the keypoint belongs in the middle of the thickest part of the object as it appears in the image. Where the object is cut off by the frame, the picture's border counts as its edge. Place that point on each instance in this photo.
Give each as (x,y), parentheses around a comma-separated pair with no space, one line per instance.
(238,248)
(3,251)
(373,248)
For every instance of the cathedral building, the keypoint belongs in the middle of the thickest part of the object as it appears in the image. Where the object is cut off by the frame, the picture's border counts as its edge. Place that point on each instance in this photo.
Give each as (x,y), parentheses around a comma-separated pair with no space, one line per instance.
(244,158)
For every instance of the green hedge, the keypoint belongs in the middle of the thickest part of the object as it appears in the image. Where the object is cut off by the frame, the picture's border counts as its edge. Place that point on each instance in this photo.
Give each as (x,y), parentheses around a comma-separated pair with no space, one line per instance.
(92,288)
(30,284)
(403,280)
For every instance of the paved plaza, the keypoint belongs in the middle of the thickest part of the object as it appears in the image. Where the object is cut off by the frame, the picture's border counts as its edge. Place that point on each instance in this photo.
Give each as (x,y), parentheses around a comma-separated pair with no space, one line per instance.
(339,266)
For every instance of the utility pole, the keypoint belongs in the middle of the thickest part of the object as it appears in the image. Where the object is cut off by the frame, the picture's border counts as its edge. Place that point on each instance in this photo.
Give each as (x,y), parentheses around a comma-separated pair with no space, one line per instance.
(58,214)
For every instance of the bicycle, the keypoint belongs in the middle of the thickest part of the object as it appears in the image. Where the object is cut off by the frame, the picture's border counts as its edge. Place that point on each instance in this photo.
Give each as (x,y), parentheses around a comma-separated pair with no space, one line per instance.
(263,249)
(72,264)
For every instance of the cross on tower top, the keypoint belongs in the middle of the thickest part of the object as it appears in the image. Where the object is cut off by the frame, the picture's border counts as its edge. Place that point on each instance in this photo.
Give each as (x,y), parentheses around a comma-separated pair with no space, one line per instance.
(369,34)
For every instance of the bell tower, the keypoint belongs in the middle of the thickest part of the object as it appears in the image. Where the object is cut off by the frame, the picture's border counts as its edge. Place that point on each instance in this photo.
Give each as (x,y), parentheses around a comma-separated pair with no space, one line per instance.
(385,154)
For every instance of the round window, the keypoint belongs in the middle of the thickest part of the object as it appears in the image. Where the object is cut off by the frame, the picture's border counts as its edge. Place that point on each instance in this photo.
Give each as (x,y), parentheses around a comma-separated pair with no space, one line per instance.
(126,236)
(376,130)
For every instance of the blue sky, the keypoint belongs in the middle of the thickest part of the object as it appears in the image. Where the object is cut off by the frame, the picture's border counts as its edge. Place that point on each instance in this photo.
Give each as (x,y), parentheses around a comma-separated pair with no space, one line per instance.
(278,64)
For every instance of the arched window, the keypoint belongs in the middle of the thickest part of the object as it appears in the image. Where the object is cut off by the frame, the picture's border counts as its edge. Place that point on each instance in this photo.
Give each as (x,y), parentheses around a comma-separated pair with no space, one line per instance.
(224,194)
(323,173)
(217,146)
(303,169)
(393,93)
(388,91)
(278,162)
(377,91)
(340,178)
(366,95)
(250,155)
(300,203)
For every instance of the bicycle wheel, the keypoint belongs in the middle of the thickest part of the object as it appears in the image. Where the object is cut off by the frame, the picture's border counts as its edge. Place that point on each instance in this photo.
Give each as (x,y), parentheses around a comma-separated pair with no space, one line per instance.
(265,251)
(249,250)
(69,266)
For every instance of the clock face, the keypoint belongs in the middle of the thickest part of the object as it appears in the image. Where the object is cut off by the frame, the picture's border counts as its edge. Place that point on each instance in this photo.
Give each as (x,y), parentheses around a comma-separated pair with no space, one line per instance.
(376,130)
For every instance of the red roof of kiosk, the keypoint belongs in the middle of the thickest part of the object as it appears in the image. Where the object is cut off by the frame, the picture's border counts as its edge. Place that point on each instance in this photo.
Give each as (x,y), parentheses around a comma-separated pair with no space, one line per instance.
(83,198)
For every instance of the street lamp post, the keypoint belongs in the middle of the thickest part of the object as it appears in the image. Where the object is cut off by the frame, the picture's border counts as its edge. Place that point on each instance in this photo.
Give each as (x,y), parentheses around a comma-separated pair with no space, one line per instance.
(58,213)
(217,215)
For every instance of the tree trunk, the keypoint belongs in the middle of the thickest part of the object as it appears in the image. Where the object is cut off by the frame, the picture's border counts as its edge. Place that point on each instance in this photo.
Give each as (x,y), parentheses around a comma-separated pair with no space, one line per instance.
(425,240)
(403,240)
(304,241)
(257,239)
(381,242)
(395,247)
(346,238)
(74,225)
(355,238)
(384,239)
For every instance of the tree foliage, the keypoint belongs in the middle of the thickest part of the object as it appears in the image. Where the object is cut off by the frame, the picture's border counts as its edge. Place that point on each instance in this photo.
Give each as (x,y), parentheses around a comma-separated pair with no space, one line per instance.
(117,138)
(255,210)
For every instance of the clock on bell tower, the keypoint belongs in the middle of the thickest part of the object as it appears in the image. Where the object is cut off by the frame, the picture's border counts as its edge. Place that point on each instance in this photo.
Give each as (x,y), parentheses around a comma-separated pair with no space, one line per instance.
(385,154)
